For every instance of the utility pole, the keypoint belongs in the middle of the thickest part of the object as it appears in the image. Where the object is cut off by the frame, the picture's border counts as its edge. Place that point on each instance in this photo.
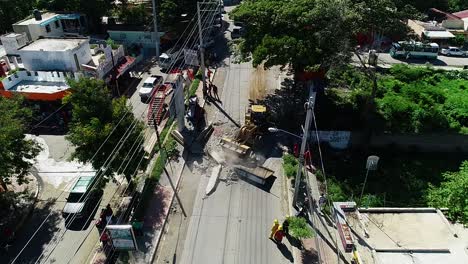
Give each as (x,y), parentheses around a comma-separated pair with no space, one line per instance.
(155,25)
(202,49)
(310,107)
(165,170)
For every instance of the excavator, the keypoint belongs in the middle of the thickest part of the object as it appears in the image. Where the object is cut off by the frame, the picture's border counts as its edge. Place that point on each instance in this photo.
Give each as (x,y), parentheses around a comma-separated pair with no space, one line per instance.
(255,125)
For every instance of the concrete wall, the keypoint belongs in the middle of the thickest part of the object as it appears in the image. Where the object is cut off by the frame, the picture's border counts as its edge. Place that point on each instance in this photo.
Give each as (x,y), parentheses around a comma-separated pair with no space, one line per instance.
(421,142)
(11,44)
(19,76)
(34,31)
(453,24)
(128,38)
(56,60)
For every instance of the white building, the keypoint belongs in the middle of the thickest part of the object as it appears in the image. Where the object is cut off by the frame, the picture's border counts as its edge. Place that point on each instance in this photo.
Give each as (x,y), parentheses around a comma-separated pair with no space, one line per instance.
(49,25)
(56,54)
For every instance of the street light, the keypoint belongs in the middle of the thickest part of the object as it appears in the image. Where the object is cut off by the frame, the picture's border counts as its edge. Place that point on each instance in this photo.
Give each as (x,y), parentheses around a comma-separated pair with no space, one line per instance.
(371,164)
(276,130)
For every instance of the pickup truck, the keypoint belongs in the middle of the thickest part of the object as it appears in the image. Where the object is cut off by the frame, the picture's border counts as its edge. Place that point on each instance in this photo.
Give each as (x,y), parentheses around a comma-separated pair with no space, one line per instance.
(453,51)
(149,85)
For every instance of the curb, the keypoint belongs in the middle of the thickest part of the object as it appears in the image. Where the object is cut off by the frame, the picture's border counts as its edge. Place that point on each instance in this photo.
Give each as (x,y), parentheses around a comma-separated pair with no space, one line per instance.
(295,251)
(158,239)
(153,254)
(31,207)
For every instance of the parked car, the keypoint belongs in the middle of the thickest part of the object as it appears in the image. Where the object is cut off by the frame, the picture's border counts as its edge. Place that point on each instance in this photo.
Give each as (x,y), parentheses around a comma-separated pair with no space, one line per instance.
(453,51)
(149,85)
(82,201)
(237,32)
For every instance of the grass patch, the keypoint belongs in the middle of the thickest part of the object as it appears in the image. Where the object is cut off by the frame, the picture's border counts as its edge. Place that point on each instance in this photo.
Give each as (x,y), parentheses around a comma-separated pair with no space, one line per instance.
(299,229)
(290,164)
(194,87)
(150,183)
(169,151)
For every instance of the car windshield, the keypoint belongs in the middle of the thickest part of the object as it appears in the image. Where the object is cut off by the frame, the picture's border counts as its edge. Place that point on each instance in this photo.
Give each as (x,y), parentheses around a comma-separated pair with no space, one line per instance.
(75,198)
(147,85)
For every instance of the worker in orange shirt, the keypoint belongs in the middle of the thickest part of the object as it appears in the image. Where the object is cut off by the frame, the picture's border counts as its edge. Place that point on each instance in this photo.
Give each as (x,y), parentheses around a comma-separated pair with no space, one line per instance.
(279,234)
(274,228)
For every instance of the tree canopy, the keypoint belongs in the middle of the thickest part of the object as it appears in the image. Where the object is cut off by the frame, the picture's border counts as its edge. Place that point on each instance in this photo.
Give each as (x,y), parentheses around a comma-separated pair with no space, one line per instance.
(97,117)
(452,194)
(16,152)
(302,33)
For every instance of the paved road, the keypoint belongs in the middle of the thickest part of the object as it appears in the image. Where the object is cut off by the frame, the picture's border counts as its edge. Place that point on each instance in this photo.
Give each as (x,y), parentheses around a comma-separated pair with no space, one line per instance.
(385,60)
(139,106)
(55,176)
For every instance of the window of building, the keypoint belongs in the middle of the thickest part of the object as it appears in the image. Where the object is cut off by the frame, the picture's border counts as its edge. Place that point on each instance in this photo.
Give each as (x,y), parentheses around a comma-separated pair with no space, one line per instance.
(16,75)
(36,74)
(28,73)
(9,79)
(47,28)
(57,24)
(58,74)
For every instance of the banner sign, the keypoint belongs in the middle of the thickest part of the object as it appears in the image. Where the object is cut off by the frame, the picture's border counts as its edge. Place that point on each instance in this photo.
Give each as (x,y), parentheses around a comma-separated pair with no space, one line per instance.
(191,57)
(122,237)
(336,139)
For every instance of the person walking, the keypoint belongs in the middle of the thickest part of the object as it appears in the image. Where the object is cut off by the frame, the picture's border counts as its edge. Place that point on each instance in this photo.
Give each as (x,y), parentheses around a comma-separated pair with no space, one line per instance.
(274,228)
(286,225)
(279,235)
(108,213)
(210,86)
(322,201)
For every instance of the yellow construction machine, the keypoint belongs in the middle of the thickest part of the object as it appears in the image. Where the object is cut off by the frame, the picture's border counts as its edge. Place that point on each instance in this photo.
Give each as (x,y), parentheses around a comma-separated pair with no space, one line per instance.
(253,128)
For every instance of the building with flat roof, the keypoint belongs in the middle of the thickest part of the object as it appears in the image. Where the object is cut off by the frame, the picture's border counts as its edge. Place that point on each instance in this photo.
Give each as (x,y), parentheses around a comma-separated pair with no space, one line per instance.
(50,24)
(56,54)
(404,235)
(37,85)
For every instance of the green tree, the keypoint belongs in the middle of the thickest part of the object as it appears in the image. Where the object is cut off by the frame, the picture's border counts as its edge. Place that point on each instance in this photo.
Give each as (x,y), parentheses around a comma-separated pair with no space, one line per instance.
(97,118)
(93,10)
(12,11)
(16,152)
(383,17)
(452,193)
(302,34)
(457,5)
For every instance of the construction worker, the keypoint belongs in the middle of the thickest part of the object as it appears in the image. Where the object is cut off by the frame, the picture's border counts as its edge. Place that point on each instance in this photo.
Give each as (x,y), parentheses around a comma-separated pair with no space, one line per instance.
(274,228)
(279,234)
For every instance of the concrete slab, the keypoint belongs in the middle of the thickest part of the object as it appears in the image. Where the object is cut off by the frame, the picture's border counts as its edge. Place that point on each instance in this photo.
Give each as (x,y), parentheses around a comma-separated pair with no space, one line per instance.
(213,179)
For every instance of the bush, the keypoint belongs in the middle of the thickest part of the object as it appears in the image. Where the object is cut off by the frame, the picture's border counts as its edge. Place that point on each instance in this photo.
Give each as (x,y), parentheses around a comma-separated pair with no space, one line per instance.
(299,229)
(148,189)
(290,164)
(194,87)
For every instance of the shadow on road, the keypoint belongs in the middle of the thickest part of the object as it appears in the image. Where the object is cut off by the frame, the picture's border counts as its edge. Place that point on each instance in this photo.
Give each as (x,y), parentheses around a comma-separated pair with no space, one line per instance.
(436,62)
(40,240)
(285,251)
(309,256)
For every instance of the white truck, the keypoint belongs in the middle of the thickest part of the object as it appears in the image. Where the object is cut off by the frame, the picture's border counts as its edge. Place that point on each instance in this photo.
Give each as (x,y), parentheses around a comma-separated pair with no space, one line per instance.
(453,51)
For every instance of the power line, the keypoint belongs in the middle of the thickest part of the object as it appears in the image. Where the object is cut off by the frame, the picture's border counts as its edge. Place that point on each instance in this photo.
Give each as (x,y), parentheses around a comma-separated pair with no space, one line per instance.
(125,139)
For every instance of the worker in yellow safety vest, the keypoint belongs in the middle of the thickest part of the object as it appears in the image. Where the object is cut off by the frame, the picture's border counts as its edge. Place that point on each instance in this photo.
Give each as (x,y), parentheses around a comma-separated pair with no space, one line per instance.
(274,228)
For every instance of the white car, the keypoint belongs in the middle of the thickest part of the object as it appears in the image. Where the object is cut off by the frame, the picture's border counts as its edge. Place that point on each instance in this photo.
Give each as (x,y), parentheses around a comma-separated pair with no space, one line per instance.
(147,89)
(453,51)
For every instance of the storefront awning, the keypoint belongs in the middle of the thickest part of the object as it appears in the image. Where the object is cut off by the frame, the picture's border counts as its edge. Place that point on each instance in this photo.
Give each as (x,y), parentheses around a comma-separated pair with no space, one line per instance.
(438,34)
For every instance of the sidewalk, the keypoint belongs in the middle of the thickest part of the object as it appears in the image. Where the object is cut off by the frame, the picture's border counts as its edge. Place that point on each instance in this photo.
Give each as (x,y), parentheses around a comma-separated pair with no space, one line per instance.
(160,203)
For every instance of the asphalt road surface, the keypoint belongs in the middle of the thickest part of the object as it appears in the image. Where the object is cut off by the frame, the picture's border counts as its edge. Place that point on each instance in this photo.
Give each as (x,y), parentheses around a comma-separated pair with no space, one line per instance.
(441,62)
